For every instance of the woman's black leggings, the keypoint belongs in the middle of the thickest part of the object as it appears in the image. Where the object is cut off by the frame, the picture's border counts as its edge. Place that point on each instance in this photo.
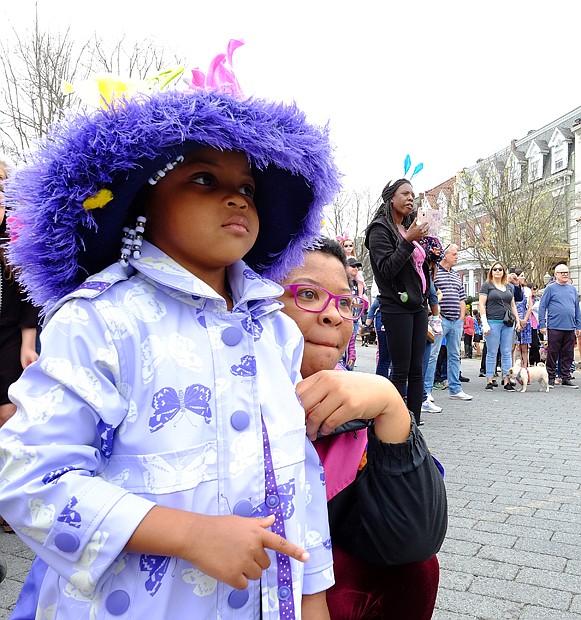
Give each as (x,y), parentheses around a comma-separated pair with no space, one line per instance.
(406,339)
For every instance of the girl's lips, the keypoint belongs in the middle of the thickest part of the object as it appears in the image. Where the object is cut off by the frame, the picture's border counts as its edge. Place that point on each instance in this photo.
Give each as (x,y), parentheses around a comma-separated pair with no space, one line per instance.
(239,224)
(237,227)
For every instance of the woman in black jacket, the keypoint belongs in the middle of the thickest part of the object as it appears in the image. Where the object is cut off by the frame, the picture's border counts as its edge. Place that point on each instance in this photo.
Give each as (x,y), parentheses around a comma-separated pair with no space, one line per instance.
(402,276)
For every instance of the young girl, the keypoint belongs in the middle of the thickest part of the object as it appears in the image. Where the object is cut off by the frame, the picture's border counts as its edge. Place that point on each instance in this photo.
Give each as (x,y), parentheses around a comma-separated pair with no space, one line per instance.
(469,331)
(158,439)
(477,332)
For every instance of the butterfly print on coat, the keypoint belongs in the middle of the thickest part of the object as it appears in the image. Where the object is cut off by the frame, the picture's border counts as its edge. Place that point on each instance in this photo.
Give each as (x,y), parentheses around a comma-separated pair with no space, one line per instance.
(55,474)
(69,515)
(286,494)
(106,431)
(156,566)
(254,328)
(167,404)
(246,368)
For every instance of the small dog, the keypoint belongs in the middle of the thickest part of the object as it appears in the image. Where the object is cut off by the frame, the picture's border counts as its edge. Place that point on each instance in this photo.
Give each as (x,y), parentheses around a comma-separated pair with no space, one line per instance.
(524,376)
(368,335)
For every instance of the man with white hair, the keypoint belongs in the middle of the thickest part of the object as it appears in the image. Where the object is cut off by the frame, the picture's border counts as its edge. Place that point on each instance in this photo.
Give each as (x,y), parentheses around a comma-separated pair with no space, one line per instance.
(560,319)
(452,312)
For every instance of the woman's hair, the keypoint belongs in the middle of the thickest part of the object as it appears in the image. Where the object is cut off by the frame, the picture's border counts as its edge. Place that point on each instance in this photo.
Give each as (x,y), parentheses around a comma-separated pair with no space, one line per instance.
(5,268)
(504,272)
(329,247)
(385,209)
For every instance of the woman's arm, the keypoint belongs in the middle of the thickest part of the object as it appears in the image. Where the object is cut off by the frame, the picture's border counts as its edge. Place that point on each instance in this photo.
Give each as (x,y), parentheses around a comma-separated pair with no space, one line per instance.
(388,258)
(395,512)
(28,352)
(482,299)
(517,324)
(396,509)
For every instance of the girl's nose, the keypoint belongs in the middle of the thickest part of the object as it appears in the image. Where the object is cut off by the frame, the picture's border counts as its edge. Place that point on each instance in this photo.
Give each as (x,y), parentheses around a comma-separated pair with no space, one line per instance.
(238,200)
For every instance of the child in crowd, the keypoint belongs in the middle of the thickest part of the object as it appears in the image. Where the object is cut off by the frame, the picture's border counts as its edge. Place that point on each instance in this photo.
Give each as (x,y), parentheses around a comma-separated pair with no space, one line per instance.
(477,332)
(469,332)
(157,461)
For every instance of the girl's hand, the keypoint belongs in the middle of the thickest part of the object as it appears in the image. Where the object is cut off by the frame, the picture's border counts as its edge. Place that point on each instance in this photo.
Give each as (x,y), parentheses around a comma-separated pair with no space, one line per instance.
(229,548)
(232,549)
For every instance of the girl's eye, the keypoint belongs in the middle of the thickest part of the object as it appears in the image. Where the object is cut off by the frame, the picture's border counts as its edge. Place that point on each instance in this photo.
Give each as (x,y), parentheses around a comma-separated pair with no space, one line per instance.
(345,302)
(203,178)
(247,190)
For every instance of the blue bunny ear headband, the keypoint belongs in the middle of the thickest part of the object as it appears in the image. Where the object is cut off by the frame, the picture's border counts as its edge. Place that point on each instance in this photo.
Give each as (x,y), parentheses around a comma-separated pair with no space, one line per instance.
(407,165)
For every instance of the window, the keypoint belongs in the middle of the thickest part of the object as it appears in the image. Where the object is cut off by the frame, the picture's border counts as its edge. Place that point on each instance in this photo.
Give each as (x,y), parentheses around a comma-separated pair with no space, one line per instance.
(536,159)
(514,173)
(442,203)
(534,168)
(559,145)
(462,197)
(559,156)
(477,190)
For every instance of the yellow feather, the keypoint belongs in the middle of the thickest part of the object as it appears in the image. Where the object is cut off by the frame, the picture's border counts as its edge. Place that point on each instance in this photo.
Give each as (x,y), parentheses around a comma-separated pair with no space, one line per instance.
(99,200)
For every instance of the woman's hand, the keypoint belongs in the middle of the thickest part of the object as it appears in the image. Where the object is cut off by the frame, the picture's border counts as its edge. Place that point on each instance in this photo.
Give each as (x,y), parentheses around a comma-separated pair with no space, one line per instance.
(331,398)
(416,231)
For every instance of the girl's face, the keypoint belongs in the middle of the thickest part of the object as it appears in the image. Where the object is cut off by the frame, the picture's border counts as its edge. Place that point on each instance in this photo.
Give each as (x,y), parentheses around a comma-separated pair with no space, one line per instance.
(202,213)
(521,279)
(349,248)
(403,200)
(326,333)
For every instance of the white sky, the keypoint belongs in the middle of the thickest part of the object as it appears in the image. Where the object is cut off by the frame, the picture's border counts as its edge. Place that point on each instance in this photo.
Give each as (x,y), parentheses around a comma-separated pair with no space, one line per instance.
(447,81)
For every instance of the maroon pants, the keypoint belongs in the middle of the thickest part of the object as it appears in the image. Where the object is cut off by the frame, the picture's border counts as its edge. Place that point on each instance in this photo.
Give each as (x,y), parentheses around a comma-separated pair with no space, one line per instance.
(364,591)
(562,346)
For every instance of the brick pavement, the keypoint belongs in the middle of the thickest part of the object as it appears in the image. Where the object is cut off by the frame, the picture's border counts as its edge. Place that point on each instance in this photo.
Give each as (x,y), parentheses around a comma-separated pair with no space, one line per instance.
(513,475)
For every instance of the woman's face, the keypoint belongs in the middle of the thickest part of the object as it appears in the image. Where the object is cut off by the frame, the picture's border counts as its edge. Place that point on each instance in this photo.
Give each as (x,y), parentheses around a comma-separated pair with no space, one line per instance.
(403,200)
(326,333)
(522,280)
(497,271)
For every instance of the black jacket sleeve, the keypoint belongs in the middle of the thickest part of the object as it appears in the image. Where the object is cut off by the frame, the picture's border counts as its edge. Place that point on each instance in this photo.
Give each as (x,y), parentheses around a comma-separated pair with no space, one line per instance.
(518,292)
(395,512)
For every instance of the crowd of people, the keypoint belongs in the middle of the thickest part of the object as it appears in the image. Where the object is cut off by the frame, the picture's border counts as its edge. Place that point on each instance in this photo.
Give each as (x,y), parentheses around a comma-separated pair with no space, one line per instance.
(507,326)
(185,439)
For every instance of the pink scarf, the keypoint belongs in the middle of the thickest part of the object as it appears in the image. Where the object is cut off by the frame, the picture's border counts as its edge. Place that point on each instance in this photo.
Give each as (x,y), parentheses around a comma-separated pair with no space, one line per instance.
(418,256)
(341,456)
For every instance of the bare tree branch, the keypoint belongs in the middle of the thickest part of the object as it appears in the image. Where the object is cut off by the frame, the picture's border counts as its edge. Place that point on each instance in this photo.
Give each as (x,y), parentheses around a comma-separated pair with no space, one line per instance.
(502,217)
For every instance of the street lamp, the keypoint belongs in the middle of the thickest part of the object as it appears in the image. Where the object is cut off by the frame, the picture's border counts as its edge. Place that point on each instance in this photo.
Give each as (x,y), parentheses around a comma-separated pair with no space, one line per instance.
(546,278)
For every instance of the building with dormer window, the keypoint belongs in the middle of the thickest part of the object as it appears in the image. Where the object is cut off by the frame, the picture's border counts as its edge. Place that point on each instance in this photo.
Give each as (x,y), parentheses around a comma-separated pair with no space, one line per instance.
(529,193)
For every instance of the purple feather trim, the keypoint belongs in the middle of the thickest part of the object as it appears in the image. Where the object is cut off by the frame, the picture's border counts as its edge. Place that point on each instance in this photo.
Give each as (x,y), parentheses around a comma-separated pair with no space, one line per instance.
(57,243)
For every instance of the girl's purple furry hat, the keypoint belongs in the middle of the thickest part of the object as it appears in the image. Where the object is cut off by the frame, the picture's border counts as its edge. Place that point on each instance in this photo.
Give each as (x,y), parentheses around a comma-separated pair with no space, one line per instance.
(61,232)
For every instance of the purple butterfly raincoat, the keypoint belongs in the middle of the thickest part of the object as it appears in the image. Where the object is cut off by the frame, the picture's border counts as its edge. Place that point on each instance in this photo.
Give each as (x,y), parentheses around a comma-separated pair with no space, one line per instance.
(148,391)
